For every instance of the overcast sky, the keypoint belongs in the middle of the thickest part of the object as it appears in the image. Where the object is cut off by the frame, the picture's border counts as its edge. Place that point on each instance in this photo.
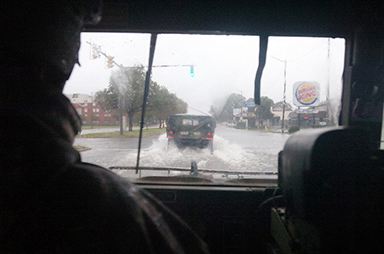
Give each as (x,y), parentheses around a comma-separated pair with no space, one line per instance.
(222,65)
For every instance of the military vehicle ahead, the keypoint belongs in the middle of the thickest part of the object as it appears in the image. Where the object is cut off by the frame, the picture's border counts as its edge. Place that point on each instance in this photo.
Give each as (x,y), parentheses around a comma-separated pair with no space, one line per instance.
(191,130)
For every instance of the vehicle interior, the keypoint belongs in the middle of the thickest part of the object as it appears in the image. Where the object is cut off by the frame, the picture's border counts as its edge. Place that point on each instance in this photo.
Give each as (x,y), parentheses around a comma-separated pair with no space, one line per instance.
(327,193)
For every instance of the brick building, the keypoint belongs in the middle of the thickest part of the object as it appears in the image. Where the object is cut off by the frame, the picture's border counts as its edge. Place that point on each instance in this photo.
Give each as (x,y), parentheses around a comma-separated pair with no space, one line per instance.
(89,111)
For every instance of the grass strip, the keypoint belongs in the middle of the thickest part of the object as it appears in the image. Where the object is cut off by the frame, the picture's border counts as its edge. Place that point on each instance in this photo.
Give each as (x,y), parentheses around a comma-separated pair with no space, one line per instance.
(81,148)
(99,127)
(127,134)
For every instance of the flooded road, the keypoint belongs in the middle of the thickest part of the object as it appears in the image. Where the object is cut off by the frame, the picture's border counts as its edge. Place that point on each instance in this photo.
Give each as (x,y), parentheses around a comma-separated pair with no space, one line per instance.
(234,150)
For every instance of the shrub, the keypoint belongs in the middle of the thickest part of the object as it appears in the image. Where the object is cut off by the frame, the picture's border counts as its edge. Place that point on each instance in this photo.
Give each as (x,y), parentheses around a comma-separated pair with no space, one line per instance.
(293,129)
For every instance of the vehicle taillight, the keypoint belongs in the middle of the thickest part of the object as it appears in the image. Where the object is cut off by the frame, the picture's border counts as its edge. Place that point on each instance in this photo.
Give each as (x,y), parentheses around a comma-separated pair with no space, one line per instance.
(170,134)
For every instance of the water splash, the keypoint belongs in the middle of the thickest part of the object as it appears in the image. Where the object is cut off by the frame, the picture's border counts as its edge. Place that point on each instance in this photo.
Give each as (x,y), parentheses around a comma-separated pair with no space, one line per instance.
(226,156)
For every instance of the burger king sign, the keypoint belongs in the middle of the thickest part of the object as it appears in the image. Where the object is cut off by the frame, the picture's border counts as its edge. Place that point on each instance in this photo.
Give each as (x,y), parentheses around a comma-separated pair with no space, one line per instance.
(306,94)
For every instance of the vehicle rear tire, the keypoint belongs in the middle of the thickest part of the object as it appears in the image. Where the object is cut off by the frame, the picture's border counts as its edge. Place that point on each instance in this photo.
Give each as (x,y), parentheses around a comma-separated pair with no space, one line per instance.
(210,146)
(170,144)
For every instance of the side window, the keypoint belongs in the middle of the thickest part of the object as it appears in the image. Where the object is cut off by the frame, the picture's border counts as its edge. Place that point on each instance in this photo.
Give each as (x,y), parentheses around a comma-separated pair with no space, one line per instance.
(382,132)
(187,122)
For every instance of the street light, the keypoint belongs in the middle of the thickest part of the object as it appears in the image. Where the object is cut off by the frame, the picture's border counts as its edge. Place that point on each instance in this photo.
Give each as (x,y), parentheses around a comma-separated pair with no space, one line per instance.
(285,86)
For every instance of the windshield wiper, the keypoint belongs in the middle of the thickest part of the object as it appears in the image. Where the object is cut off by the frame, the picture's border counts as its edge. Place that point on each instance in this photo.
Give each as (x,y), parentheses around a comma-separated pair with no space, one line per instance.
(146,91)
(262,59)
(222,172)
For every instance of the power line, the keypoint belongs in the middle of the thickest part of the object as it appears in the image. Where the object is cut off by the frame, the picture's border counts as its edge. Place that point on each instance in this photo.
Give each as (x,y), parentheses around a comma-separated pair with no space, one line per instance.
(198,111)
(306,53)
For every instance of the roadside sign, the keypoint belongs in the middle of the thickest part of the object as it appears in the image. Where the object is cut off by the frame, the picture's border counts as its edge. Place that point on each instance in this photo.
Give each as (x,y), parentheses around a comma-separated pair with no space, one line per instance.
(308,111)
(249,104)
(306,93)
(236,111)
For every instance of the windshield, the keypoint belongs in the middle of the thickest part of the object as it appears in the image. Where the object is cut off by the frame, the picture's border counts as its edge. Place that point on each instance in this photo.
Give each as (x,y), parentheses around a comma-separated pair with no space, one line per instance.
(200,111)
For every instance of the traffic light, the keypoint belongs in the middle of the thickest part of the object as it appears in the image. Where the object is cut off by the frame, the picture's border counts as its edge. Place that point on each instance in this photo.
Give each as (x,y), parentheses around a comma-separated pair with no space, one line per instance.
(94,52)
(115,102)
(110,61)
(192,73)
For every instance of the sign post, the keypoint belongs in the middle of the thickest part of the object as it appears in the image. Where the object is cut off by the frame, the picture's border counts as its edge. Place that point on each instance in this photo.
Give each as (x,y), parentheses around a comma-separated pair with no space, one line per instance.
(306,94)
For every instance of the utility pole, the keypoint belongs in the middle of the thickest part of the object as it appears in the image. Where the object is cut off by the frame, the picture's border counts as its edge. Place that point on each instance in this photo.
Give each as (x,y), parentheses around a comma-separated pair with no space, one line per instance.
(284,92)
(91,110)
(121,113)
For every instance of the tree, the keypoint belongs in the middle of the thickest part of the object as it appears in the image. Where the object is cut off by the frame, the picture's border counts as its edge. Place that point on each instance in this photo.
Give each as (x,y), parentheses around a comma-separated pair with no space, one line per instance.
(104,98)
(163,103)
(128,86)
(263,111)
(281,103)
(225,112)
